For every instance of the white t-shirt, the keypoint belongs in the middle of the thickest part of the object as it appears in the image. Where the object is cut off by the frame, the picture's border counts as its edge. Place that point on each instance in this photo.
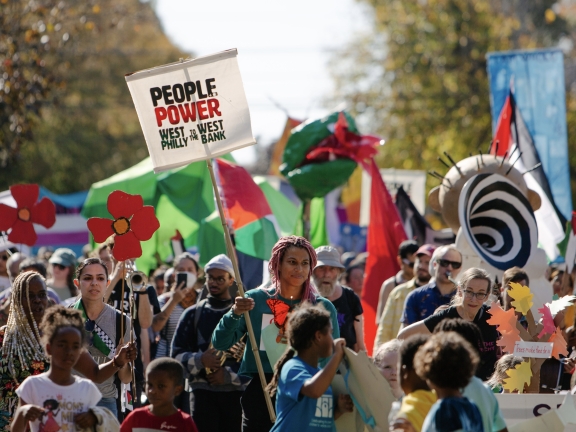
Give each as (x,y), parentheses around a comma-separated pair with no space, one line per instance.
(61,403)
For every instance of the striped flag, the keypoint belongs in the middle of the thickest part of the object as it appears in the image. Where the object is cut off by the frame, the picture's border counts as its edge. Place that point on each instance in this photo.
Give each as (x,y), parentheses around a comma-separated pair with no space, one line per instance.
(512,132)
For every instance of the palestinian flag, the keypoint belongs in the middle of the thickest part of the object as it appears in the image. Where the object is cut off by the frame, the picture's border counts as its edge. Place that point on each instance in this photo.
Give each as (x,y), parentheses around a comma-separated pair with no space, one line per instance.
(512,132)
(245,206)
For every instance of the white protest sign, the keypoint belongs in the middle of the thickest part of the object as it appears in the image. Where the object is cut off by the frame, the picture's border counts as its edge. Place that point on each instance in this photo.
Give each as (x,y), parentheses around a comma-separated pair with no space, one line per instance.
(413,182)
(537,412)
(192,110)
(533,349)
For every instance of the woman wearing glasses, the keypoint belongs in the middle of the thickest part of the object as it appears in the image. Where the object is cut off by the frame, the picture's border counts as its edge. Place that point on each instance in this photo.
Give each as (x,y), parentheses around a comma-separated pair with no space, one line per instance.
(21,352)
(468,304)
(103,322)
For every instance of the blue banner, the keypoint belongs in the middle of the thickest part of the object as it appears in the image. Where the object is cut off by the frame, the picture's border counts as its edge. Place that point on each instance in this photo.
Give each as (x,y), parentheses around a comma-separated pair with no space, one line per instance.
(537,78)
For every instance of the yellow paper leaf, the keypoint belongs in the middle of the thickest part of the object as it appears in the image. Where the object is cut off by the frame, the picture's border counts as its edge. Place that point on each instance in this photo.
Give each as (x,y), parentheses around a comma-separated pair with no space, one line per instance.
(522,296)
(518,377)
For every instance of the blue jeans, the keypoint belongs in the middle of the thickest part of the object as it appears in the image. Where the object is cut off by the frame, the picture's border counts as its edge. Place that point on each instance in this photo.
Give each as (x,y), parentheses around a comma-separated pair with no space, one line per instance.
(109,403)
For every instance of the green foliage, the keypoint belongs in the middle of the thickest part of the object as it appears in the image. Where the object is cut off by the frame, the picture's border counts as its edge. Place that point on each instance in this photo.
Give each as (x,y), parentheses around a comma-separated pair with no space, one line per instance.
(419,77)
(87,129)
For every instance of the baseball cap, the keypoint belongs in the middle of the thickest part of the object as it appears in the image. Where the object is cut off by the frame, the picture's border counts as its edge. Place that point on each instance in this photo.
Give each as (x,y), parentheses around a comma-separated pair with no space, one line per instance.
(63,256)
(328,256)
(220,262)
(426,249)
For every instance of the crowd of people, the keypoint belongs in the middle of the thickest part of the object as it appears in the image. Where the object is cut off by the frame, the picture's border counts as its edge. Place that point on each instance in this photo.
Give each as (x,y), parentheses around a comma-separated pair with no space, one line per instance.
(183,361)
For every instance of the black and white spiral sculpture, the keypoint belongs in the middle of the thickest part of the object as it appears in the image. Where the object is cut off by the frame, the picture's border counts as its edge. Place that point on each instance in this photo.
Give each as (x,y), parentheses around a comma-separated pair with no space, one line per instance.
(498,221)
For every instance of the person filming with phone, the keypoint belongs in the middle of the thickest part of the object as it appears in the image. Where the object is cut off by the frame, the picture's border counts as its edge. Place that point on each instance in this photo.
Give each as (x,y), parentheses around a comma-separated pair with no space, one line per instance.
(173,303)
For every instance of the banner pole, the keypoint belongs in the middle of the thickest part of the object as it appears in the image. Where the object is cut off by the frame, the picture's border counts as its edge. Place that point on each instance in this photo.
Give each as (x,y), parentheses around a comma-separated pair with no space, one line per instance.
(232,256)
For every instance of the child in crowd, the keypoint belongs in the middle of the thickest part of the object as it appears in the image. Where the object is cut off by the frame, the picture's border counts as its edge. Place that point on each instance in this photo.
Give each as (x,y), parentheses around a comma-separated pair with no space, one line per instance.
(164,381)
(304,398)
(419,399)
(447,362)
(57,400)
(386,360)
(508,361)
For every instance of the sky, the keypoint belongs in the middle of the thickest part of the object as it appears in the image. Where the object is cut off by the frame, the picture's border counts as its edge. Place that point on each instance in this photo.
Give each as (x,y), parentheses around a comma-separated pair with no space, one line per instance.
(283,51)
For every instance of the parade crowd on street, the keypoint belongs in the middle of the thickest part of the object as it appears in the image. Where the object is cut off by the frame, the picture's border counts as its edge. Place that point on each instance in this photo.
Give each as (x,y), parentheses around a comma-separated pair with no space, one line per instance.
(68,350)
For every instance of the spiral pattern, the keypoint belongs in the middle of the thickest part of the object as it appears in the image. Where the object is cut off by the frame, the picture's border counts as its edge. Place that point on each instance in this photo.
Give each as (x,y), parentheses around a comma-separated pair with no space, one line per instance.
(498,221)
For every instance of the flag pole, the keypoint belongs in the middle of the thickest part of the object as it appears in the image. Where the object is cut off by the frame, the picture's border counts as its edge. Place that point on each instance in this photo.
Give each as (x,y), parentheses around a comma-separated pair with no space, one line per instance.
(232,256)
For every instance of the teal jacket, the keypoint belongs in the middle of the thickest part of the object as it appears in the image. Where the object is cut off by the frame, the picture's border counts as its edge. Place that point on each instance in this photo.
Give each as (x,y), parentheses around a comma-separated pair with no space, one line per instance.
(230,330)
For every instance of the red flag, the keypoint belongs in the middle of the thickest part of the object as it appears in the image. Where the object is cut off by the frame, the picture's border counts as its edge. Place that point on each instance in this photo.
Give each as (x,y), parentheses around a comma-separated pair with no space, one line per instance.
(385,233)
(503,136)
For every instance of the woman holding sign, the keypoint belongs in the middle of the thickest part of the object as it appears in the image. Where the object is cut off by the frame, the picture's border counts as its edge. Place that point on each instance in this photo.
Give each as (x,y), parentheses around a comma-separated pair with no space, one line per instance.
(468,304)
(291,264)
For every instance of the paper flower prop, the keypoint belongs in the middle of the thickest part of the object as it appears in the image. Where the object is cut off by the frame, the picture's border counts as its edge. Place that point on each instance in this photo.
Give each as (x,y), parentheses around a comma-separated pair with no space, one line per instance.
(321,155)
(20,220)
(133,222)
(518,377)
(522,296)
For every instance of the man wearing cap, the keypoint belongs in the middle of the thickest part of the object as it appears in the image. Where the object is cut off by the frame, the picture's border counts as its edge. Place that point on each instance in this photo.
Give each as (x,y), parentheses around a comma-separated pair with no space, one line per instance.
(389,324)
(405,259)
(216,385)
(348,307)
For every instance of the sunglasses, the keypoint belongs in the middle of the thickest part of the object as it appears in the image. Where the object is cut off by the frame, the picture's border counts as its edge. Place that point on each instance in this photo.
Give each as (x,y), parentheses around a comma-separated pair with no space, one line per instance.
(407,262)
(445,263)
(59,266)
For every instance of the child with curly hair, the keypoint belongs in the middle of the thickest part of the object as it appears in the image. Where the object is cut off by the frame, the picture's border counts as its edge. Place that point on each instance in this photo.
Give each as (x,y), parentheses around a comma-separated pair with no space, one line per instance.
(304,397)
(447,362)
(57,400)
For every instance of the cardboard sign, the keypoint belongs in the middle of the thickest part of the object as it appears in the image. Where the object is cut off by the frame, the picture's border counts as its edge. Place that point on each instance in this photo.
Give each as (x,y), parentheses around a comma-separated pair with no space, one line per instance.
(192,110)
(537,412)
(533,349)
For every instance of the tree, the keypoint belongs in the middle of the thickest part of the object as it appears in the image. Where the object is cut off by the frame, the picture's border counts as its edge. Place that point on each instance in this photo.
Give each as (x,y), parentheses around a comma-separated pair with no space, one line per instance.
(419,77)
(88,130)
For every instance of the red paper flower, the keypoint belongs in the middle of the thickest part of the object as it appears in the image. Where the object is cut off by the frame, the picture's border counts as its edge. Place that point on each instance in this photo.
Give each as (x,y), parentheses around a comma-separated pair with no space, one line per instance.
(133,222)
(28,212)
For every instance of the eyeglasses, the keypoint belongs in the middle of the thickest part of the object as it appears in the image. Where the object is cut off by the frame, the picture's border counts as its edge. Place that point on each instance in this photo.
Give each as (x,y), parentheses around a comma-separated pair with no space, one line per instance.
(445,263)
(219,280)
(59,266)
(472,294)
(407,262)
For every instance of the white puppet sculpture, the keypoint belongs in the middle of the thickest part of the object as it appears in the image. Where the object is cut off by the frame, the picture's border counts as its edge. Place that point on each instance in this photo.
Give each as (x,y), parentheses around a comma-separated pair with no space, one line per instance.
(487,204)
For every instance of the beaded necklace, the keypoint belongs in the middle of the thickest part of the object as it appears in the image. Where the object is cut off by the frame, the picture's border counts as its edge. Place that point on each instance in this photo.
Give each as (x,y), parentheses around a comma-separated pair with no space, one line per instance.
(21,341)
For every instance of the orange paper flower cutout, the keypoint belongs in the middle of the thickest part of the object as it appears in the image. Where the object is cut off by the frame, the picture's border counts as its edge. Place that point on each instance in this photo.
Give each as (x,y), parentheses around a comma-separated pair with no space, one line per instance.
(133,222)
(20,220)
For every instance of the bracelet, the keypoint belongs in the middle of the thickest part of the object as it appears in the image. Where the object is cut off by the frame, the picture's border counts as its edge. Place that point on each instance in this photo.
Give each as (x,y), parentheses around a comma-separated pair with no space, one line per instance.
(234,316)
(116,364)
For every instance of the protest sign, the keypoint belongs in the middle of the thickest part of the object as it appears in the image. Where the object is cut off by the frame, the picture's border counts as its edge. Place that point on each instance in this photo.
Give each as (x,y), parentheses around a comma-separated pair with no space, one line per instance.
(537,412)
(192,110)
(533,349)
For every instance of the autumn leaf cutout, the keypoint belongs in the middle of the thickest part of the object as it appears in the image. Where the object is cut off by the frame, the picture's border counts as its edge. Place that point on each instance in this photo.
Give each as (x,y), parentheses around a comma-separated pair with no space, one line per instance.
(518,377)
(522,297)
